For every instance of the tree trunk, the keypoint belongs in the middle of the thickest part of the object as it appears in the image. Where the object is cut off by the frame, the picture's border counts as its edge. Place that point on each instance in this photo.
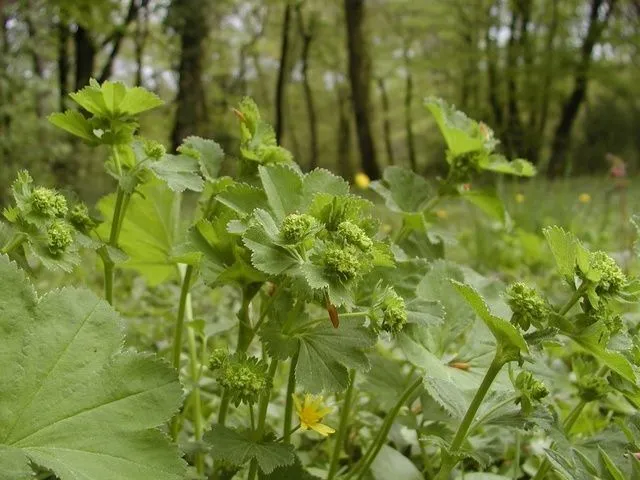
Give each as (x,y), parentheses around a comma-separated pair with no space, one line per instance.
(140,39)
(514,130)
(561,141)
(306,32)
(38,66)
(359,76)
(191,115)
(386,122)
(85,57)
(283,73)
(408,115)
(116,40)
(493,81)
(343,151)
(63,63)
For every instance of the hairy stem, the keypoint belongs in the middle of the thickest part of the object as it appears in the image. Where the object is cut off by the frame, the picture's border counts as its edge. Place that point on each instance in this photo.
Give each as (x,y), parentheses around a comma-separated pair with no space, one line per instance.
(184,296)
(574,299)
(342,427)
(262,415)
(450,460)
(17,240)
(363,466)
(291,390)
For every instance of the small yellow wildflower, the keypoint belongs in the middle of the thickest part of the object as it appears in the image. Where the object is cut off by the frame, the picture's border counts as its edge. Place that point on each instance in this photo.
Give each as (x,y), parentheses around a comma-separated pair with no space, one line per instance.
(442,214)
(386,228)
(311,411)
(362,180)
(584,198)
(519,198)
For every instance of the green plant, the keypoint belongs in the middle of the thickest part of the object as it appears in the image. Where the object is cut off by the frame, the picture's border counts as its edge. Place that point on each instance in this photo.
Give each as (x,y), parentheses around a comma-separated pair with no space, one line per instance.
(327,301)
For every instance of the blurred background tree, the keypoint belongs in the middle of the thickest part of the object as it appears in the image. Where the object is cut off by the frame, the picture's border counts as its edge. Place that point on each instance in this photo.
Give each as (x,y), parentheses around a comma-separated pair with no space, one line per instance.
(341,80)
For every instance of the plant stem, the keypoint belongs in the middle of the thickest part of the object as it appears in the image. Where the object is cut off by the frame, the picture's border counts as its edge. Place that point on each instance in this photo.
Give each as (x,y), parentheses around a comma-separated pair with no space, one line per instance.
(572,301)
(450,459)
(177,336)
(342,427)
(118,214)
(291,390)
(13,243)
(262,415)
(363,466)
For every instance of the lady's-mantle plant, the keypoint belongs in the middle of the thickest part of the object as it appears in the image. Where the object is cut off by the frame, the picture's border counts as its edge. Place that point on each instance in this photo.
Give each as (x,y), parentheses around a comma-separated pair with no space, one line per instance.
(324,292)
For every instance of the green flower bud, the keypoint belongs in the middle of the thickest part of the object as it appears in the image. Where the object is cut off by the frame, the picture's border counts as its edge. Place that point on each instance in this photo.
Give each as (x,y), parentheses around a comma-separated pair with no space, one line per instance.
(612,279)
(48,202)
(59,237)
(531,390)
(592,387)
(244,378)
(79,217)
(295,227)
(394,313)
(189,152)
(218,358)
(527,305)
(342,263)
(463,166)
(354,235)
(154,149)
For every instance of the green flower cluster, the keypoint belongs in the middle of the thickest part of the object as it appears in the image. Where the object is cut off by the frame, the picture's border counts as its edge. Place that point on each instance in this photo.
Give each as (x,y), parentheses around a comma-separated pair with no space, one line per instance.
(528,307)
(463,166)
(611,278)
(394,313)
(48,203)
(531,390)
(59,237)
(80,219)
(244,378)
(155,150)
(218,358)
(592,387)
(341,263)
(296,227)
(352,234)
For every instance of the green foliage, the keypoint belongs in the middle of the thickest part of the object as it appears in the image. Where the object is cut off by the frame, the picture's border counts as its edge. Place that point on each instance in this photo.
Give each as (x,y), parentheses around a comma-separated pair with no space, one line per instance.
(70,341)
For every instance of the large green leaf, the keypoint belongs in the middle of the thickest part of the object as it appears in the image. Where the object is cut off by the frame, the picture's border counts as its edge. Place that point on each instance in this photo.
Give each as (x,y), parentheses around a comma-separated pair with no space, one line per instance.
(149,230)
(283,187)
(181,172)
(461,133)
(238,448)
(326,354)
(504,331)
(564,247)
(72,401)
(390,463)
(487,201)
(74,123)
(403,190)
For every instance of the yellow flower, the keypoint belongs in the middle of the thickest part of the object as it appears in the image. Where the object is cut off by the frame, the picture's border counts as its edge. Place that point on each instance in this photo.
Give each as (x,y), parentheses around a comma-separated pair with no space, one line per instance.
(386,228)
(519,198)
(442,214)
(584,198)
(362,180)
(311,411)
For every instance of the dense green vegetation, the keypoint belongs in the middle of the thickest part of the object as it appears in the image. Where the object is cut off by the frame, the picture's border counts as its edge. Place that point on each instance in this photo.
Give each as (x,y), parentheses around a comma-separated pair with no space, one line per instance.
(355,281)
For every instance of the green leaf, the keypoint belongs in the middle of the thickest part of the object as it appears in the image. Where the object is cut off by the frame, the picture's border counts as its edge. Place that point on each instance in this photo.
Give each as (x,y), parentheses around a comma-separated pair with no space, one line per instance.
(283,187)
(242,198)
(519,166)
(239,447)
(294,471)
(326,354)
(211,155)
(564,248)
(610,467)
(74,123)
(502,330)
(138,100)
(14,464)
(181,172)
(487,201)
(74,402)
(390,463)
(321,181)
(266,255)
(461,133)
(149,230)
(447,395)
(403,190)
